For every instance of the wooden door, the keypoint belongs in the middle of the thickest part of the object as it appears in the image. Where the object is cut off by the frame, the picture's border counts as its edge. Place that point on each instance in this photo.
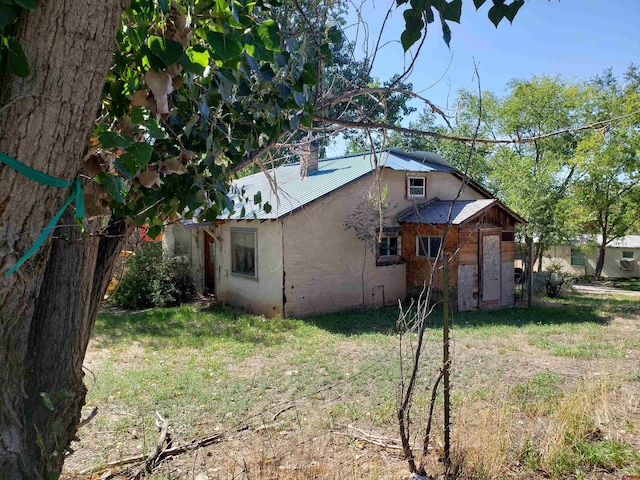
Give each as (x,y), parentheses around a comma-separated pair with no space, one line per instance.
(209,263)
(491,270)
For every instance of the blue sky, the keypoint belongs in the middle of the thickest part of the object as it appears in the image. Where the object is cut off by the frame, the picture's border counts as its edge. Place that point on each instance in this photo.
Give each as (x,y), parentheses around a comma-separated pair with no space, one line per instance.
(573,38)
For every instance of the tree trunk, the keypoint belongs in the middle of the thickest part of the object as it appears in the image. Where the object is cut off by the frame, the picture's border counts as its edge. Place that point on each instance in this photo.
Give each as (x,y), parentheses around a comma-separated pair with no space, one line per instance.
(45,122)
(65,312)
(600,261)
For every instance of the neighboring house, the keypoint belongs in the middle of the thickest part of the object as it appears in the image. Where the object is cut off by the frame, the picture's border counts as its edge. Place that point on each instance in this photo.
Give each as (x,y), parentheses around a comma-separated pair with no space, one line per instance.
(300,259)
(579,257)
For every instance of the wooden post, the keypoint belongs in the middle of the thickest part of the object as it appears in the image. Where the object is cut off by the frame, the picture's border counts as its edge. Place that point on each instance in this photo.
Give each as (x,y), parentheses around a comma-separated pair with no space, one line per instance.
(446,364)
(530,277)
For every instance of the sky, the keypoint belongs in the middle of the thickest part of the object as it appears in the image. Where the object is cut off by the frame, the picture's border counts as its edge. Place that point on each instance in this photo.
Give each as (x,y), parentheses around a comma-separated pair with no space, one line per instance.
(576,39)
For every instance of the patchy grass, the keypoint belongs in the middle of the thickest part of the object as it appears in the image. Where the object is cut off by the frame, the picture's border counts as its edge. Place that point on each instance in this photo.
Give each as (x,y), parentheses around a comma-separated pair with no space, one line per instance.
(632,284)
(530,399)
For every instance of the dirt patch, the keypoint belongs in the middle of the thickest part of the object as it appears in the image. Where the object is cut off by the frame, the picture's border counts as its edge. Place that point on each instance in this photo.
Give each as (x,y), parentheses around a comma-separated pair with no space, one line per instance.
(298,426)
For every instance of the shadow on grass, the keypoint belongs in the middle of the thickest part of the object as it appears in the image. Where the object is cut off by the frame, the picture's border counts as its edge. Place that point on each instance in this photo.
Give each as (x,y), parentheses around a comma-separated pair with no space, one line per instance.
(191,326)
(631,284)
(573,310)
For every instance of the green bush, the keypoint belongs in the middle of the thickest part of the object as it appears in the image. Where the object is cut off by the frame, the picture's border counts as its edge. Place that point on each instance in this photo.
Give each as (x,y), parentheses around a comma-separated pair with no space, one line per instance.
(152,280)
(554,282)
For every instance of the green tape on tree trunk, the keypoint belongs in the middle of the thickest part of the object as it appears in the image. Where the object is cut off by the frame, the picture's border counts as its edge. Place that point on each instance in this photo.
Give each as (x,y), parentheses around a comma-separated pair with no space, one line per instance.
(46,179)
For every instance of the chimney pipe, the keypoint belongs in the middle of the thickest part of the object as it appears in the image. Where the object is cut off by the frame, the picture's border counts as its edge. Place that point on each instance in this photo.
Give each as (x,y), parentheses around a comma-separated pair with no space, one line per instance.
(308,156)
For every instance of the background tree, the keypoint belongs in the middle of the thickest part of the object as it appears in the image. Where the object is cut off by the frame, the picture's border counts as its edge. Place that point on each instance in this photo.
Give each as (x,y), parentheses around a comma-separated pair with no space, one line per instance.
(606,194)
(533,178)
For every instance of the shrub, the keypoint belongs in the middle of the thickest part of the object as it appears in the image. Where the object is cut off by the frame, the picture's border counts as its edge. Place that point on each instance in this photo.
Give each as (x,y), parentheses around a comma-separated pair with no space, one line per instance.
(152,280)
(554,281)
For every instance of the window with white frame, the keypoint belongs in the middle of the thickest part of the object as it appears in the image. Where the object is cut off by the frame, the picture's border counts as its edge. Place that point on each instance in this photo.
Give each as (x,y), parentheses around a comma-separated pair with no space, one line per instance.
(627,254)
(244,249)
(427,246)
(390,246)
(416,187)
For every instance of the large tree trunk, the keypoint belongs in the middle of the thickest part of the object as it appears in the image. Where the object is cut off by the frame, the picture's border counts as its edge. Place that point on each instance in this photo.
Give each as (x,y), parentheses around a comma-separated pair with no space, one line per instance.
(65,312)
(45,122)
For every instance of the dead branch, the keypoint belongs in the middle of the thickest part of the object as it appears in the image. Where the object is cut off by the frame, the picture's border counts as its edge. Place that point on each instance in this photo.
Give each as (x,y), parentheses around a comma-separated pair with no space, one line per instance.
(455,138)
(88,418)
(427,433)
(383,92)
(275,417)
(169,452)
(373,439)
(153,457)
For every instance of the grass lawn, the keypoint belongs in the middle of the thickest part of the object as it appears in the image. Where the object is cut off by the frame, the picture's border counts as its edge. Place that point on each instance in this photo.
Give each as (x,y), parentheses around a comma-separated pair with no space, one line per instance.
(628,284)
(547,392)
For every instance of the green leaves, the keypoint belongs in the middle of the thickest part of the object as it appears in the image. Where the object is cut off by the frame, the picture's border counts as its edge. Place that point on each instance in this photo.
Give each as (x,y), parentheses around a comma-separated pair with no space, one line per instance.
(500,11)
(114,140)
(451,11)
(224,47)
(115,186)
(195,60)
(8,15)
(27,4)
(268,32)
(17,60)
(167,51)
(413,28)
(137,156)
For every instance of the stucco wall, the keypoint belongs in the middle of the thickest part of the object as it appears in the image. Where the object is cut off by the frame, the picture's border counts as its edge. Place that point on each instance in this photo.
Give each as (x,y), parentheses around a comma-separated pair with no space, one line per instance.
(172,235)
(323,262)
(262,294)
(561,255)
(445,186)
(323,266)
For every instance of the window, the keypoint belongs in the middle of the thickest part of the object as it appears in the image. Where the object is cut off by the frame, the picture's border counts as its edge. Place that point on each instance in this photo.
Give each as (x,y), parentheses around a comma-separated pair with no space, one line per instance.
(508,236)
(627,254)
(390,246)
(427,247)
(577,257)
(182,243)
(243,252)
(415,187)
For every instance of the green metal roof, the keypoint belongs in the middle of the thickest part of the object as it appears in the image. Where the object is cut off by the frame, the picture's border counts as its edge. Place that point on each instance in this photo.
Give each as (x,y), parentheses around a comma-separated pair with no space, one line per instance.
(293,192)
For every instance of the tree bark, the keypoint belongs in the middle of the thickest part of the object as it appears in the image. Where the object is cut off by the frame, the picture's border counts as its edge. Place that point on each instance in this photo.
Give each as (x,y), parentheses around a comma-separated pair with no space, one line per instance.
(600,262)
(45,122)
(65,313)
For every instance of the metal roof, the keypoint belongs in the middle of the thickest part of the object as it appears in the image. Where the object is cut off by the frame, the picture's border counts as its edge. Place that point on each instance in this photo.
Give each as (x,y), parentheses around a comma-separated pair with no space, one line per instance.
(628,241)
(293,192)
(436,212)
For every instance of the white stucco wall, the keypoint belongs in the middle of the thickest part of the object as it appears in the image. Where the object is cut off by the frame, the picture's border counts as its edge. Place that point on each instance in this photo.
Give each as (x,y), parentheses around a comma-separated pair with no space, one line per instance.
(561,254)
(318,264)
(172,235)
(262,294)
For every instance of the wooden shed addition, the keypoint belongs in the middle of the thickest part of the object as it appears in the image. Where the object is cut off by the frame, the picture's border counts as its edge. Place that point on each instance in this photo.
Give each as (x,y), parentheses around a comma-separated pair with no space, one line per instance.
(480,244)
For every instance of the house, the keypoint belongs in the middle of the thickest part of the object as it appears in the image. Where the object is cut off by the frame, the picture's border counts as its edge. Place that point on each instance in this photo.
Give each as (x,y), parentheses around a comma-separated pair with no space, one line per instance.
(579,257)
(303,257)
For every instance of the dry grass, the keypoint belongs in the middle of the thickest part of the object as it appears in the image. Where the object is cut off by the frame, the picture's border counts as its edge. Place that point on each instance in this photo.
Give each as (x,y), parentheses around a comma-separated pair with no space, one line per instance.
(284,393)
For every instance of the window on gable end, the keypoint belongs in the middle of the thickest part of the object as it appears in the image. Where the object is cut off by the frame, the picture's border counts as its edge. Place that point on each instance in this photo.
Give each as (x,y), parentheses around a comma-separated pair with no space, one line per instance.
(416,187)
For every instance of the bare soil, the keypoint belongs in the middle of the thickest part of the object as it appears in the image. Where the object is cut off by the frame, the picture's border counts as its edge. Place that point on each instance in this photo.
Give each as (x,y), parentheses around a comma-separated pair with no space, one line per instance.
(299,440)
